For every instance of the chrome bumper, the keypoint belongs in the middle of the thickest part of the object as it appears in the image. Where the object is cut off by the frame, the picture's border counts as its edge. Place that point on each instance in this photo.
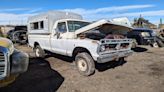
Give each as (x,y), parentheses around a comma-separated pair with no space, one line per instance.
(113,56)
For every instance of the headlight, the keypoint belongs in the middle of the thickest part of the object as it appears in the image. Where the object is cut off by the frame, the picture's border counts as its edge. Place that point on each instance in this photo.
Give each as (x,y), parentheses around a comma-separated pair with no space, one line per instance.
(102,48)
(7,44)
(145,34)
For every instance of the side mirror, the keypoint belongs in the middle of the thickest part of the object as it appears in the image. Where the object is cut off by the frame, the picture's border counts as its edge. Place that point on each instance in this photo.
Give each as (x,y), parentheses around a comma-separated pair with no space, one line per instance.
(58,35)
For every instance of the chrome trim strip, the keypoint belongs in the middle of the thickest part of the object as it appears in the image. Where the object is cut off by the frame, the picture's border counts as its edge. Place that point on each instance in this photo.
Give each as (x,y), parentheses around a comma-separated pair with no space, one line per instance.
(6,63)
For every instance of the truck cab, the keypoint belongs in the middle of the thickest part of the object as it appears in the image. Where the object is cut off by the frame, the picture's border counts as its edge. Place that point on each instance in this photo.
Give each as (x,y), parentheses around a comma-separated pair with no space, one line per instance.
(68,34)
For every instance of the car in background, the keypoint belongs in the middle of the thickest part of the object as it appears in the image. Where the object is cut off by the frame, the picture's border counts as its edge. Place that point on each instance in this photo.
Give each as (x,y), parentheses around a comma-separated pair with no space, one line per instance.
(12,62)
(18,35)
(143,36)
(160,38)
(162,33)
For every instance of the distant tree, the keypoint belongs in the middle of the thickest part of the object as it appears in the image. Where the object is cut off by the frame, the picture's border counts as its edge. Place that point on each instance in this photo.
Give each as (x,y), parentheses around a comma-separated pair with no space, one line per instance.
(1,33)
(135,20)
(160,20)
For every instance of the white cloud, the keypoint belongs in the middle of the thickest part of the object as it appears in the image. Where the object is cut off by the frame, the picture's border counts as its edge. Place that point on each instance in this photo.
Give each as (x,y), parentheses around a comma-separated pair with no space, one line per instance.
(14,9)
(107,9)
(89,14)
(118,11)
(16,19)
(28,10)
(157,13)
(145,13)
(13,19)
(34,10)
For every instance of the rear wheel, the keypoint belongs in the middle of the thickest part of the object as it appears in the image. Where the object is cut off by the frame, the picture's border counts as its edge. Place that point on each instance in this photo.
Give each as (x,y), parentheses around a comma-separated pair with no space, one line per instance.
(121,60)
(39,52)
(134,44)
(159,42)
(85,64)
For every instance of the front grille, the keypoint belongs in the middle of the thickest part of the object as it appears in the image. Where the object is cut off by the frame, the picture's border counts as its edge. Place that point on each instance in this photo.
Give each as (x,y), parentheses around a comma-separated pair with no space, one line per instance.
(124,45)
(2,64)
(113,45)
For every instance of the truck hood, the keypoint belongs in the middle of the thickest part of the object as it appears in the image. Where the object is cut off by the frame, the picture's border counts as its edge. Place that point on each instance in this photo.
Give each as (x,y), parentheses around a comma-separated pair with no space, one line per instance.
(104,26)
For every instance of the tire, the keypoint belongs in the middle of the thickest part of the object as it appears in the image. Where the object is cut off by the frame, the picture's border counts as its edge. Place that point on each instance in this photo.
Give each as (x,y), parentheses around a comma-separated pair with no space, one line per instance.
(155,45)
(160,43)
(7,80)
(134,44)
(121,60)
(39,52)
(85,64)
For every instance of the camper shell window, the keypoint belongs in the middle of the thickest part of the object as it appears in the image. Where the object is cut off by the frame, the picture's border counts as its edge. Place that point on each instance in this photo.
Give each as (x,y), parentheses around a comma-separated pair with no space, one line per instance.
(41,25)
(37,25)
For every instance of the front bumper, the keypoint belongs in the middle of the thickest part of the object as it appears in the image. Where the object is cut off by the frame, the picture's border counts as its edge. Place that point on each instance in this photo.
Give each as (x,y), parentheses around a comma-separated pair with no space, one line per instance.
(148,41)
(103,58)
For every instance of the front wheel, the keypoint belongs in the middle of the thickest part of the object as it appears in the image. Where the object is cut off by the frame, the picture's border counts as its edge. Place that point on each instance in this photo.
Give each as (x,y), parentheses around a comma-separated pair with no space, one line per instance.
(121,60)
(155,44)
(85,64)
(39,52)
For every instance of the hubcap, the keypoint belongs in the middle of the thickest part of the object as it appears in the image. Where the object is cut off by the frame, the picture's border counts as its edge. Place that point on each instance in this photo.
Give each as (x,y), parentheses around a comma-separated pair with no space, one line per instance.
(155,45)
(37,52)
(82,65)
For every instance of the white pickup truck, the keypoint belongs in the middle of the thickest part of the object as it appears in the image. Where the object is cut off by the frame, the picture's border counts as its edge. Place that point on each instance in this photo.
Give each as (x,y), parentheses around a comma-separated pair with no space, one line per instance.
(68,34)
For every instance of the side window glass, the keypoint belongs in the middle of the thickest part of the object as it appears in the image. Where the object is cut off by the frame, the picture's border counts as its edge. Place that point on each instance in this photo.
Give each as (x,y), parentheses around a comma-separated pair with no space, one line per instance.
(41,25)
(62,27)
(37,25)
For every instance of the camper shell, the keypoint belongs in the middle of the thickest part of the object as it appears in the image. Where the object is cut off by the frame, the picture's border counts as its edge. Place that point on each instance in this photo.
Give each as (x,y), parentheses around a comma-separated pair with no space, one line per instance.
(48,19)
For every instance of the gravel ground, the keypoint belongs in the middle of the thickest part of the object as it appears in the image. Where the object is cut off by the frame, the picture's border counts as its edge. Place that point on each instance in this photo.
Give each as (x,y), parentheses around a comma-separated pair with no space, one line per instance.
(141,72)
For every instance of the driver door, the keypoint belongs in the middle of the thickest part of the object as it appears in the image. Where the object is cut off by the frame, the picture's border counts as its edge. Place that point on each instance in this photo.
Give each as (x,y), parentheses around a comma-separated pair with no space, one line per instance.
(57,42)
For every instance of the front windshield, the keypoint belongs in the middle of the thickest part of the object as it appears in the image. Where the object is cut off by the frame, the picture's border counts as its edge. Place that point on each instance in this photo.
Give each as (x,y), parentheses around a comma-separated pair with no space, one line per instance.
(145,34)
(74,25)
(153,33)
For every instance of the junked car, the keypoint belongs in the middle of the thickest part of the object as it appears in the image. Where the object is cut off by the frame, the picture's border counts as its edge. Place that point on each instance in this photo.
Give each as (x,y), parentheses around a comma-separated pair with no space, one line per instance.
(12,62)
(66,33)
(18,35)
(143,36)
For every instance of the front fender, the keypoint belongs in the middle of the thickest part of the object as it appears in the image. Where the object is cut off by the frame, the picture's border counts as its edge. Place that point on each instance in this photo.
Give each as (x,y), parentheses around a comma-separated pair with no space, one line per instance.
(92,47)
(19,62)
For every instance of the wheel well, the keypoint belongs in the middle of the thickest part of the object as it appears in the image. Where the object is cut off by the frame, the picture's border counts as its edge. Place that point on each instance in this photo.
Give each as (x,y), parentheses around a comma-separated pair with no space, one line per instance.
(79,50)
(35,44)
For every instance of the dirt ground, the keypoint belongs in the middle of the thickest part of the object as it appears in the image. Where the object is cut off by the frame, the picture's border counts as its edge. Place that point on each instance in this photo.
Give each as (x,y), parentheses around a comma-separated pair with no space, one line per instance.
(141,72)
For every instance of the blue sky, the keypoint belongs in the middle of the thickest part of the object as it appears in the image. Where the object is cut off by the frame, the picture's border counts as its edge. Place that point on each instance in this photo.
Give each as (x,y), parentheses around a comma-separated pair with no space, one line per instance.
(17,11)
